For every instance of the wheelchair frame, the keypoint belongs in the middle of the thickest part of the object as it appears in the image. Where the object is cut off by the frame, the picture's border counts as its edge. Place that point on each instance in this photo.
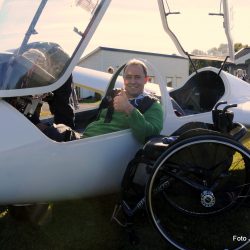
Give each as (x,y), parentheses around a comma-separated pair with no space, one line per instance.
(201,176)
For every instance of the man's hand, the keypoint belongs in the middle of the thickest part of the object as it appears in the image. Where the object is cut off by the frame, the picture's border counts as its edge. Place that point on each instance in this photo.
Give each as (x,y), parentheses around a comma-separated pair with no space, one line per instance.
(122,104)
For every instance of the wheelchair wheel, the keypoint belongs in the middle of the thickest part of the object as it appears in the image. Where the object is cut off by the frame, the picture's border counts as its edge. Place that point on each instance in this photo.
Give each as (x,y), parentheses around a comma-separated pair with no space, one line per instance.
(193,189)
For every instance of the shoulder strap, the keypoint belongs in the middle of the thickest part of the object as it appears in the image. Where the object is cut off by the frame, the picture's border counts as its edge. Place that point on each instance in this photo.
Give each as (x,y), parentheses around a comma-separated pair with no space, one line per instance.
(144,103)
(108,96)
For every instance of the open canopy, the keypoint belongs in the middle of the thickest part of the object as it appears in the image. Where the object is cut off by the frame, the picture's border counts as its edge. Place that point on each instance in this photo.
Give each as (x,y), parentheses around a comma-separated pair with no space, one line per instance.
(199,28)
(41,41)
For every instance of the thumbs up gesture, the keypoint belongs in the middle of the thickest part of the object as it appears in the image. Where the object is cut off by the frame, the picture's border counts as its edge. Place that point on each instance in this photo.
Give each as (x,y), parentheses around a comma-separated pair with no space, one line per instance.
(122,104)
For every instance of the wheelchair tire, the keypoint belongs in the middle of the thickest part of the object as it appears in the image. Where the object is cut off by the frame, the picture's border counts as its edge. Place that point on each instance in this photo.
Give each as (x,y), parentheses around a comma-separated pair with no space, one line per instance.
(191,193)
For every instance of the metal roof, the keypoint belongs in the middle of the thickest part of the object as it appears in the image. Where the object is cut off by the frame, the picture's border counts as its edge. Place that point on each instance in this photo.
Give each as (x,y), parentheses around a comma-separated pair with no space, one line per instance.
(242,52)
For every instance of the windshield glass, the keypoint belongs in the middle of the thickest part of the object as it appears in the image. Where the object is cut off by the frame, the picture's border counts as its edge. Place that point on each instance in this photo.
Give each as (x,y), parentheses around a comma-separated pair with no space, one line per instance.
(198,25)
(38,39)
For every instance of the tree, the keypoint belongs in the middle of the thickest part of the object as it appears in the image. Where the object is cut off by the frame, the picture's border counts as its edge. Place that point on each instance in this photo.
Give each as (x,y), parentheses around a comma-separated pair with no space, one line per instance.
(198,52)
(201,63)
(238,46)
(213,51)
(222,50)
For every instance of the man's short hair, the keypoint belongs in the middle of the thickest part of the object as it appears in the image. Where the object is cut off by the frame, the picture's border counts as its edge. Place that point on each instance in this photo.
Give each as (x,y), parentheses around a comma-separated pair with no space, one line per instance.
(136,62)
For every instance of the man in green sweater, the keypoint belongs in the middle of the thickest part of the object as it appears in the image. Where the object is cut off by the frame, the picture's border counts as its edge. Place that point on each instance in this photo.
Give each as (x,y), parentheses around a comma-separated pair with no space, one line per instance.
(133,107)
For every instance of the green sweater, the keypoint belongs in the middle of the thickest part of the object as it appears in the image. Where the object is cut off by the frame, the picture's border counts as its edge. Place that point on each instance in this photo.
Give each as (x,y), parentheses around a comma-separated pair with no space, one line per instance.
(142,125)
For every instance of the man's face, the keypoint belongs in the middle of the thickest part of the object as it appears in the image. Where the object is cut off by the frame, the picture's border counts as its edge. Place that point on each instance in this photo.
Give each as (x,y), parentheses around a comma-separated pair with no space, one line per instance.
(134,80)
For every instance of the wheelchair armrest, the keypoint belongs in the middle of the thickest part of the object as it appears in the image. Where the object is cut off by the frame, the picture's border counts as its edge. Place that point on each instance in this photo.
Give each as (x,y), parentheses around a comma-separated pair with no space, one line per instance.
(157,145)
(154,147)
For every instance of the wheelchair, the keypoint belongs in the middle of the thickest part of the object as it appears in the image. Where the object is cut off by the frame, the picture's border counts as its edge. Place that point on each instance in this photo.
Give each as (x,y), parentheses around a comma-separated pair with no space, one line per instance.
(193,186)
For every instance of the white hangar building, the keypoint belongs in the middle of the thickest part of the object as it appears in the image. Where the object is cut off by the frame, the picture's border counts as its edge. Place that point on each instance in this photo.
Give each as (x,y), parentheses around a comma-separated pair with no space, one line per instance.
(174,69)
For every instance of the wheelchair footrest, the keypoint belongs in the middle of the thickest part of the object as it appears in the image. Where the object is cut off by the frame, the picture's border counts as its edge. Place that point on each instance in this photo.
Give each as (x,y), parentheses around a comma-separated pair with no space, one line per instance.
(117,216)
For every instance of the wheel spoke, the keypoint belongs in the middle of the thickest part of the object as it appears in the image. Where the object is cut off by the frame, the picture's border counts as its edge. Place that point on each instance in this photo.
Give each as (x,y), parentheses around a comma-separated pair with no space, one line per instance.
(197,179)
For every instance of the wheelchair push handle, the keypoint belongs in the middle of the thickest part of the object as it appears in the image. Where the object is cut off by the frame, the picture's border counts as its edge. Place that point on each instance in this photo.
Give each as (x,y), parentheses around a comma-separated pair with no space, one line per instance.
(223,119)
(226,107)
(229,106)
(218,104)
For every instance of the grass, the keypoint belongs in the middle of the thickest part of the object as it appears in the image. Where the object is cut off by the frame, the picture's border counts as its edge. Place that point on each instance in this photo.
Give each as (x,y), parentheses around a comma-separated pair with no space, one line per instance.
(85,225)
(84,103)
(79,224)
(89,100)
(246,143)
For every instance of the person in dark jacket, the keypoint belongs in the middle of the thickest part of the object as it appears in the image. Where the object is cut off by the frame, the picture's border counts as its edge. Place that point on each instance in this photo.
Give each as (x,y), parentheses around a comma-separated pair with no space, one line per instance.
(60,105)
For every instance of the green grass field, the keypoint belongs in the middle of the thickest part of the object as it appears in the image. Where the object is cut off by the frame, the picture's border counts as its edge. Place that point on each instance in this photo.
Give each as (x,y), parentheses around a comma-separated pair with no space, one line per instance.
(79,224)
(85,224)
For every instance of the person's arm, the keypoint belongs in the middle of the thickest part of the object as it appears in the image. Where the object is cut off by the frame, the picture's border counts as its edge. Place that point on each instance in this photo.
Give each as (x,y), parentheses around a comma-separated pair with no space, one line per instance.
(148,124)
